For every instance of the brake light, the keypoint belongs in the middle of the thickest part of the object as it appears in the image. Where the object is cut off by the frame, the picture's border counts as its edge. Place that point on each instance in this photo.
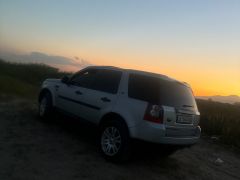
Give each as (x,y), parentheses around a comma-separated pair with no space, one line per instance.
(154,113)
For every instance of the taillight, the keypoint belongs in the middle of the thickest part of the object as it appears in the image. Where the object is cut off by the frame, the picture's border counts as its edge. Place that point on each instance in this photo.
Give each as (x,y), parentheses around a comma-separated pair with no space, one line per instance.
(154,113)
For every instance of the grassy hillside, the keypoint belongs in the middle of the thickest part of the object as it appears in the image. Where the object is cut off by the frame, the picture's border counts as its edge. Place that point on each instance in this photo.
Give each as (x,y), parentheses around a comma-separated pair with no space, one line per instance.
(25,79)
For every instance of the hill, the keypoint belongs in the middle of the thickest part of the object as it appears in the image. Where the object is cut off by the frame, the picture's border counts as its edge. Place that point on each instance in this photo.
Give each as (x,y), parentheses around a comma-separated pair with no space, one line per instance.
(59,62)
(232,99)
(24,79)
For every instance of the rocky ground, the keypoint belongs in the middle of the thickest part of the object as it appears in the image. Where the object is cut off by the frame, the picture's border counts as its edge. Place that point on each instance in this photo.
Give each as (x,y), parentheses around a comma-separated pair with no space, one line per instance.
(66,149)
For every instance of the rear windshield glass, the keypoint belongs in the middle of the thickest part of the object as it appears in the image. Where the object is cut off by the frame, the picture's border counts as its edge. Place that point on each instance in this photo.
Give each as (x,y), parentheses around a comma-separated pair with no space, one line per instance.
(158,91)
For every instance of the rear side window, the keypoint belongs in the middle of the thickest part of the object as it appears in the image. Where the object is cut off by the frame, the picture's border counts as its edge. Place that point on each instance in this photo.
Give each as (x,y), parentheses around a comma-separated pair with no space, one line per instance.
(107,81)
(159,91)
(144,88)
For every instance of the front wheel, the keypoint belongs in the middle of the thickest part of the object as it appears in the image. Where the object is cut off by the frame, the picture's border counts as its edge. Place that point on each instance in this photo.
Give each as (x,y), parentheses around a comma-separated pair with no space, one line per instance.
(115,141)
(45,106)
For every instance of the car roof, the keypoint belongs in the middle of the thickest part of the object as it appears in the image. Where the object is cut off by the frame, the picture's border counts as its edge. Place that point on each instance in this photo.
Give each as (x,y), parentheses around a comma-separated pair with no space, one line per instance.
(161,76)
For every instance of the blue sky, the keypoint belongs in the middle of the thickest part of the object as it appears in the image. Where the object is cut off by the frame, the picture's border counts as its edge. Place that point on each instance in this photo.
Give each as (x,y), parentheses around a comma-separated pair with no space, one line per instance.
(157,23)
(155,35)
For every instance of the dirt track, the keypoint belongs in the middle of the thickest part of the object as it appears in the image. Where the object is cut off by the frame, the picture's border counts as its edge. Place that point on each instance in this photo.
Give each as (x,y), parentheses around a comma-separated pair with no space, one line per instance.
(65,149)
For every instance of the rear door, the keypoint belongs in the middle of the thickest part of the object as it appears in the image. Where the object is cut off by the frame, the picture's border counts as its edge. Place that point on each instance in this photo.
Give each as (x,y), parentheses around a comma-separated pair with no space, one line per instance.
(101,95)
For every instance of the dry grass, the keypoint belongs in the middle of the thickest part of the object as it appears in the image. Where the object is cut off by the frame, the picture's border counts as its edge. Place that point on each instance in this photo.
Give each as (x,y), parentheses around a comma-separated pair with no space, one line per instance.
(220,119)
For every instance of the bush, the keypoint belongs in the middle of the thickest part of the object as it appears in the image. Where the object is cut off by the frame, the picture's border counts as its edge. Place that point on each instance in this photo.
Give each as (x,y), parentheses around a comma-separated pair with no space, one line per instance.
(25,79)
(220,119)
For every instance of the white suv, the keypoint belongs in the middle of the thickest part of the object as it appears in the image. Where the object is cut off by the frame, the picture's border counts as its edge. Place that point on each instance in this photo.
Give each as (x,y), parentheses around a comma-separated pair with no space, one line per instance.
(125,104)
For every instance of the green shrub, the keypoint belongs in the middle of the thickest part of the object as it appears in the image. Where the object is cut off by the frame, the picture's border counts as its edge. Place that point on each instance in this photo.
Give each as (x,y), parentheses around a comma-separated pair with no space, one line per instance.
(23,79)
(13,86)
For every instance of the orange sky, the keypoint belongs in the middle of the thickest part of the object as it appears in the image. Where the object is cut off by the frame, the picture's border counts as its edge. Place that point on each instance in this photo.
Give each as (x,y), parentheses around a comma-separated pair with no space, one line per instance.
(205,79)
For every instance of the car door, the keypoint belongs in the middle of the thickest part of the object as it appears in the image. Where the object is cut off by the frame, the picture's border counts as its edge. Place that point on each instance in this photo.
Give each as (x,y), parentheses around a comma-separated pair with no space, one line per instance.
(70,94)
(101,95)
(65,97)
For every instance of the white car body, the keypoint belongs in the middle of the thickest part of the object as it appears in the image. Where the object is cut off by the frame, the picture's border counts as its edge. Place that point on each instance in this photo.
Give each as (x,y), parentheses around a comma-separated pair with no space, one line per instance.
(179,126)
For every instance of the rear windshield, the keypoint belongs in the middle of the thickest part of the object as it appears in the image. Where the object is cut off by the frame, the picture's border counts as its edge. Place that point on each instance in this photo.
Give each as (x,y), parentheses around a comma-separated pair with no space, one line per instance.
(158,91)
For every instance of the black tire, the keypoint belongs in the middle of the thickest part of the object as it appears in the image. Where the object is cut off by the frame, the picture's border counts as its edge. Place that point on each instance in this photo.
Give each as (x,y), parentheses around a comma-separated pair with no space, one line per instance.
(45,107)
(123,151)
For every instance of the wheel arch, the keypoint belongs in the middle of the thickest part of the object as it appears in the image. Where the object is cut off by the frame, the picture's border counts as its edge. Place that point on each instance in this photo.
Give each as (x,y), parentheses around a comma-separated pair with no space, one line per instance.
(44,91)
(112,115)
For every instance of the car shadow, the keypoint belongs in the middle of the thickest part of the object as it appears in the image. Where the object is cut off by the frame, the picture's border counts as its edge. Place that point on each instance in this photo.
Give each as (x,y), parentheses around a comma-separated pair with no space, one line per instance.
(87,133)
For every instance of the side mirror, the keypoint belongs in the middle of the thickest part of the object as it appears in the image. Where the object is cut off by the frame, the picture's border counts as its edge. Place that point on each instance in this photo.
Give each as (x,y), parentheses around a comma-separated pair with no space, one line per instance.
(65,79)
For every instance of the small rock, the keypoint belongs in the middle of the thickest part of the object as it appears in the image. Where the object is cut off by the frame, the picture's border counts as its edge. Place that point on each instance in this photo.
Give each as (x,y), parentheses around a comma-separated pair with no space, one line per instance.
(219,161)
(215,138)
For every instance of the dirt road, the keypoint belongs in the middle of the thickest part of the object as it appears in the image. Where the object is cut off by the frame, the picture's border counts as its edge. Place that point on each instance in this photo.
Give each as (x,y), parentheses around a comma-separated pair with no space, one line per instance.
(66,149)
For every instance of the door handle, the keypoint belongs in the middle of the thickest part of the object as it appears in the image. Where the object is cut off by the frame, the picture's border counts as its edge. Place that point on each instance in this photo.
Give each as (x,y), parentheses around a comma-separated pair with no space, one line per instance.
(78,92)
(105,99)
(56,87)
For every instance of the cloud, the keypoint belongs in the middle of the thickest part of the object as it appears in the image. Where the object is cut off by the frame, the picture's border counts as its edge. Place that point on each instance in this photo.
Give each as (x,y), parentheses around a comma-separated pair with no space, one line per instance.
(60,62)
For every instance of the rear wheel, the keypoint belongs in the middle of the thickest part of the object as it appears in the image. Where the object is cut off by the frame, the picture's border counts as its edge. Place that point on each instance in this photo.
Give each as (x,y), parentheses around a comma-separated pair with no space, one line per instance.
(45,106)
(114,141)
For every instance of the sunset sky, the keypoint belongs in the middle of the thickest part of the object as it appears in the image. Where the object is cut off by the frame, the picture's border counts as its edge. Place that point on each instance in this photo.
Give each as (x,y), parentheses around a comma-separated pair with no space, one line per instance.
(196,41)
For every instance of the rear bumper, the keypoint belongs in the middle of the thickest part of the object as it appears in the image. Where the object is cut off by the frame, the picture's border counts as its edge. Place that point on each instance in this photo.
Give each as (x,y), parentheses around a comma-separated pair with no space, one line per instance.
(159,133)
(177,141)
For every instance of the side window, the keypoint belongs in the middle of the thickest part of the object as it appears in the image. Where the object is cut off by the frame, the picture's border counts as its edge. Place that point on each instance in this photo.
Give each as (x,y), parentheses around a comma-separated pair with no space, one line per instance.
(107,81)
(84,78)
(145,88)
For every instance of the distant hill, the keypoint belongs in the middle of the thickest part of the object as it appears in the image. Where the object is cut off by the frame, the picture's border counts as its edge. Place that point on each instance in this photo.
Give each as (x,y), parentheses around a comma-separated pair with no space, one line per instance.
(60,62)
(232,99)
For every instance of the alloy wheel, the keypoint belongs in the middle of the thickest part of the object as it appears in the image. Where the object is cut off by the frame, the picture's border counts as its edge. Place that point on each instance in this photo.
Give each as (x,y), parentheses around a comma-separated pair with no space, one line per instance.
(111,141)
